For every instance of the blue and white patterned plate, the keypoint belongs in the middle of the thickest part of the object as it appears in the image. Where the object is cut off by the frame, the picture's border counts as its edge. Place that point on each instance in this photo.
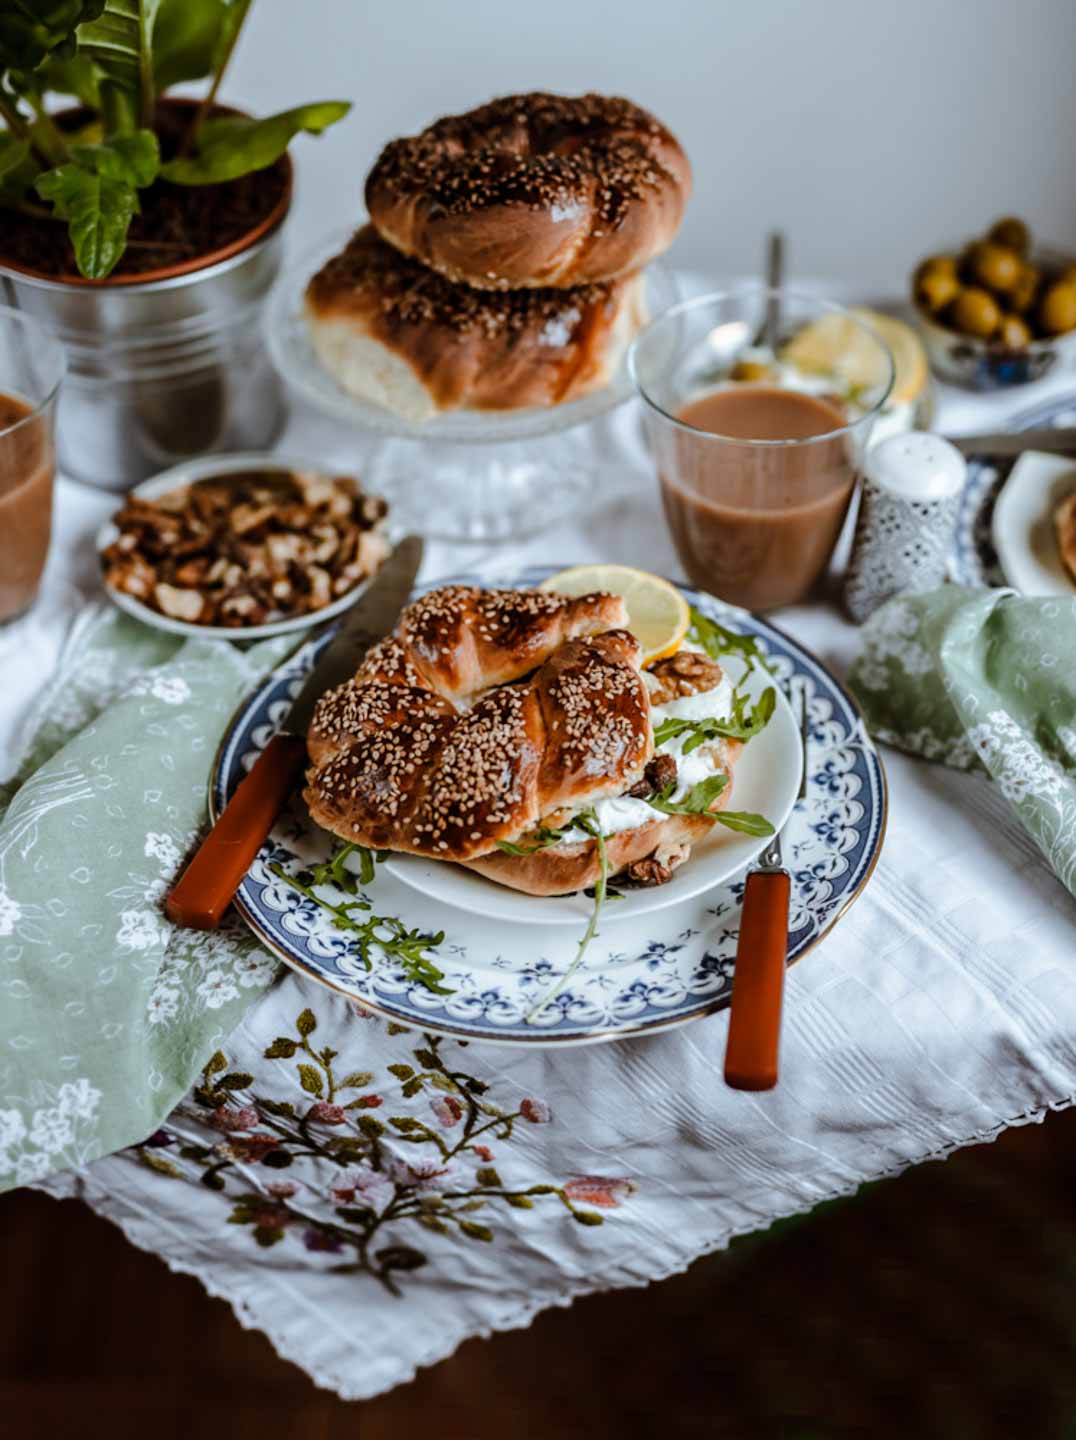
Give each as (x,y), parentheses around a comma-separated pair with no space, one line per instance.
(665,969)
(975,560)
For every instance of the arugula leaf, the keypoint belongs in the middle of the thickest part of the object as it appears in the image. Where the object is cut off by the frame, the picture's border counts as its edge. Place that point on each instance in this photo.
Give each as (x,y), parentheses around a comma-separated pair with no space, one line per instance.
(740,725)
(186,39)
(587,820)
(744,821)
(545,836)
(98,211)
(697,801)
(716,640)
(234,145)
(395,941)
(334,871)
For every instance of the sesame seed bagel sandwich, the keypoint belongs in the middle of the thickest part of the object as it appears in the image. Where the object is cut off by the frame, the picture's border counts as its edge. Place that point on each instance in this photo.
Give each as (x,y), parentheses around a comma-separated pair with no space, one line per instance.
(515,732)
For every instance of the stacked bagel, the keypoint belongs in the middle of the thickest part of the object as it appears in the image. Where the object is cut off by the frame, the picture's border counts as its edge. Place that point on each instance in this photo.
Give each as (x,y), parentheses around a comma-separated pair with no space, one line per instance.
(502,265)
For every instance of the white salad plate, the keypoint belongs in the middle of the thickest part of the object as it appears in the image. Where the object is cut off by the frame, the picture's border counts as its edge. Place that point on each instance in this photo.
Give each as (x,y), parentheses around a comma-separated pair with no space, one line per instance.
(1023,523)
(668,967)
(186,474)
(766,781)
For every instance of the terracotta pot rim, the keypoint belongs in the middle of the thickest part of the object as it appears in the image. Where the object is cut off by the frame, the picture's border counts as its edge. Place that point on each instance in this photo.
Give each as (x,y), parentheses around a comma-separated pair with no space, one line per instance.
(183,268)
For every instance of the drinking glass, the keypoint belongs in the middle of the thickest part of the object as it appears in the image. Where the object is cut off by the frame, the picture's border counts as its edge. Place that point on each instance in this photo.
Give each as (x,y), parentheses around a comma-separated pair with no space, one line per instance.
(755,521)
(32,366)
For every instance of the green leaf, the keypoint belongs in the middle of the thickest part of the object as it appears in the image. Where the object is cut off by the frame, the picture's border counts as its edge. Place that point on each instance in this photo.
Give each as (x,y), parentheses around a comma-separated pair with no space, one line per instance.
(427,1058)
(402,1072)
(212,1180)
(307,1023)
(185,40)
(697,801)
(355,1214)
(718,641)
(278,1107)
(369,1126)
(542,838)
(235,145)
(311,1081)
(476,1232)
(113,41)
(215,1063)
(75,75)
(97,210)
(281,1049)
(357,1080)
(266,1236)
(277,1160)
(520,1202)
(30,30)
(18,168)
(134,159)
(405,1124)
(237,1080)
(741,724)
(744,822)
(395,1028)
(411,1088)
(400,1257)
(195,1152)
(487,1175)
(587,1217)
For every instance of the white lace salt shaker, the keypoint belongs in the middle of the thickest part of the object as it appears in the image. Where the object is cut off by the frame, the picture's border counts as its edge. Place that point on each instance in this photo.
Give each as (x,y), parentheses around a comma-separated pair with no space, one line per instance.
(907,517)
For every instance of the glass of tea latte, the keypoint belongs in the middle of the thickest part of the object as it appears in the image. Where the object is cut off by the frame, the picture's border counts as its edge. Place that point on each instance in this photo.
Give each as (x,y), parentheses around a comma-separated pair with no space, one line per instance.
(758,415)
(31,369)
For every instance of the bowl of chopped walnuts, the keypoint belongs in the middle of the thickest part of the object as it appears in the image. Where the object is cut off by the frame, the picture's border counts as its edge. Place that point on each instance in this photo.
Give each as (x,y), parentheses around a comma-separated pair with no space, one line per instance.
(240,547)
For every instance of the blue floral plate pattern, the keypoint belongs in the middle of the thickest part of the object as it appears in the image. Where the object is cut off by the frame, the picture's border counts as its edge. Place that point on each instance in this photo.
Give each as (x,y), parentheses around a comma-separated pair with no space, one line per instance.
(665,969)
(974,560)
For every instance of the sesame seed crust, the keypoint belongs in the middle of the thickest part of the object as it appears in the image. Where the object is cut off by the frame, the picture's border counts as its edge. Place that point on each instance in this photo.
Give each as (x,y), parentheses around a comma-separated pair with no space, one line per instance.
(527,701)
(532,190)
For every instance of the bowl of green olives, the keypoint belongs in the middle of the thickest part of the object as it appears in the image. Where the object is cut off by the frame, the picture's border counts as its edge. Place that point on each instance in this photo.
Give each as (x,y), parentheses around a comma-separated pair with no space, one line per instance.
(997,312)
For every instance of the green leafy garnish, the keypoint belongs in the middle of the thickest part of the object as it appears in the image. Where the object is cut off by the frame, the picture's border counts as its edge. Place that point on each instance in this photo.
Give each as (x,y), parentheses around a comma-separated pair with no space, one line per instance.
(392,938)
(544,837)
(334,871)
(698,800)
(742,724)
(716,640)
(586,820)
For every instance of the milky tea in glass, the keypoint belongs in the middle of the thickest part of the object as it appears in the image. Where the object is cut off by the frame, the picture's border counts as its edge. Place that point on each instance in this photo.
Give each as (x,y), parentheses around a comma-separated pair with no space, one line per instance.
(31,367)
(756,479)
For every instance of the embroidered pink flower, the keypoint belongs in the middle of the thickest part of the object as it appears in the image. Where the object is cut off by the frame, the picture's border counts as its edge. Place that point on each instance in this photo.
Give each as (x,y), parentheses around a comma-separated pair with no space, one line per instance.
(325,1114)
(226,1119)
(249,1147)
(536,1111)
(448,1110)
(370,1102)
(483,1152)
(282,1189)
(598,1190)
(429,1176)
(361,1012)
(362,1186)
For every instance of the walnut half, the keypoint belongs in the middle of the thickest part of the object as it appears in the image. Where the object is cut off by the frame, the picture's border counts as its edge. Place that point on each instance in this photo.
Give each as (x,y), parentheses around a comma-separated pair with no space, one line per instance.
(686,673)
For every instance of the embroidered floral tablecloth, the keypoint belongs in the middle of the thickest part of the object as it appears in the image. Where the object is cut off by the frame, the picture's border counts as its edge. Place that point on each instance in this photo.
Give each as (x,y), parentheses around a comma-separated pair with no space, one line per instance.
(370,1197)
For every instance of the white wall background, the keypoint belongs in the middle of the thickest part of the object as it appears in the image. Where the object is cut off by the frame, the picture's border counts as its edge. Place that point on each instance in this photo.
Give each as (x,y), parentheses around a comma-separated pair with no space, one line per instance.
(872,130)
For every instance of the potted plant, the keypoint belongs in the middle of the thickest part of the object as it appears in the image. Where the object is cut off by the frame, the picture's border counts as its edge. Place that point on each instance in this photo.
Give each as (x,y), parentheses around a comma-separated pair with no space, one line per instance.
(144,228)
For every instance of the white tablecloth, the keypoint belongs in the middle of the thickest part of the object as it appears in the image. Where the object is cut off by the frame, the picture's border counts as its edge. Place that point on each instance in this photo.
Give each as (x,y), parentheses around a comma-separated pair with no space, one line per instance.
(939,1011)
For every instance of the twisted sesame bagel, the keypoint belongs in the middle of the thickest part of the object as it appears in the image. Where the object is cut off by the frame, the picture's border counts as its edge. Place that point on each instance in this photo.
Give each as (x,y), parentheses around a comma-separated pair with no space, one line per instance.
(490,714)
(533,190)
(399,335)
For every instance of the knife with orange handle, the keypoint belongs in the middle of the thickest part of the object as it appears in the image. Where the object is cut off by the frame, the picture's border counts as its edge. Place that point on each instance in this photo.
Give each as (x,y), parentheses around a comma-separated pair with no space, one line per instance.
(204,891)
(758,981)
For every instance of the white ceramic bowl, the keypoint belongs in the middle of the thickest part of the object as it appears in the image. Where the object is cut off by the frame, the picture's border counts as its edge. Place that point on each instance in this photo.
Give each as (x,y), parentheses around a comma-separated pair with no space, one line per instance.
(175,479)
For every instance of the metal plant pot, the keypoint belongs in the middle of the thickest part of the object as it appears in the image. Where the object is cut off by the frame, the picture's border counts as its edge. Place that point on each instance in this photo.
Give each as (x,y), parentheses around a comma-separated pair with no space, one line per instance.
(164,367)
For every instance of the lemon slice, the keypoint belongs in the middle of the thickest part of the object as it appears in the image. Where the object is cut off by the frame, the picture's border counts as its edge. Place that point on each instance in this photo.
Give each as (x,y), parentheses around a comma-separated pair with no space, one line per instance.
(658,615)
(836,345)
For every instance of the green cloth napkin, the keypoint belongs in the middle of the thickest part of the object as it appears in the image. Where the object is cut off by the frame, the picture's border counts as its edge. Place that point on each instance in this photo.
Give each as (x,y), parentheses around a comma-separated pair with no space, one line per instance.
(107,1011)
(983,679)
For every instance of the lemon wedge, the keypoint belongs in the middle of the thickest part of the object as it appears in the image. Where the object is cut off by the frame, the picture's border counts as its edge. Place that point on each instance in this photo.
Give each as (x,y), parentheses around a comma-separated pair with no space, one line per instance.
(658,615)
(836,345)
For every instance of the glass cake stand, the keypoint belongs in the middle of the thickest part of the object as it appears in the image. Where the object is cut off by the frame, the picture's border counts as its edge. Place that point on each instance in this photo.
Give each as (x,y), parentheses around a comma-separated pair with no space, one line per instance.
(465,475)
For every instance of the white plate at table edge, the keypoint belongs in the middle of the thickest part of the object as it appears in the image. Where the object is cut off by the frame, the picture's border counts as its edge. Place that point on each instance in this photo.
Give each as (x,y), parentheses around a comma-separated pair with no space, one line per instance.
(1022,526)
(766,781)
(186,473)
